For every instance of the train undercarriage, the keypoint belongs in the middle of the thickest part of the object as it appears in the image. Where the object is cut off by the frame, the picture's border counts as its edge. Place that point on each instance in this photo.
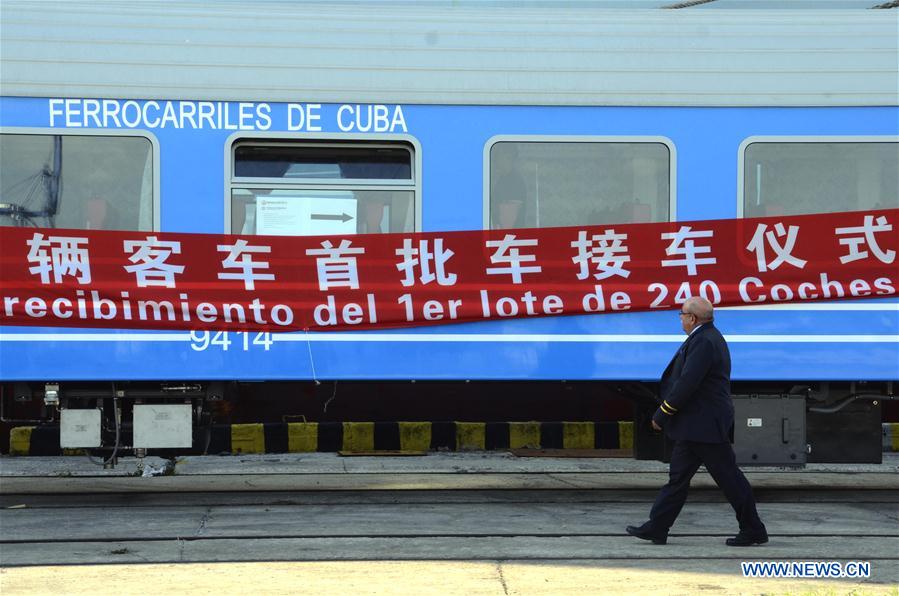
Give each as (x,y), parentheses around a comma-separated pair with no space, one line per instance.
(776,423)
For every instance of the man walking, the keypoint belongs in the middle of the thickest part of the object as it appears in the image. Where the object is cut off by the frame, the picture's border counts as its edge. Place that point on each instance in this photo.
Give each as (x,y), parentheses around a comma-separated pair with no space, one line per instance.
(698,414)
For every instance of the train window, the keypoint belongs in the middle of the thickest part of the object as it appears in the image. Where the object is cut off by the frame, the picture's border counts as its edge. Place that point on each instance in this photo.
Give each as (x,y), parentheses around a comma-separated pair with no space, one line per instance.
(76,181)
(793,177)
(545,183)
(328,161)
(312,188)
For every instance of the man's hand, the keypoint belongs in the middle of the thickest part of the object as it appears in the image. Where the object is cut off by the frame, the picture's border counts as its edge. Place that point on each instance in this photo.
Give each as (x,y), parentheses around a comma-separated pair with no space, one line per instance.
(656,426)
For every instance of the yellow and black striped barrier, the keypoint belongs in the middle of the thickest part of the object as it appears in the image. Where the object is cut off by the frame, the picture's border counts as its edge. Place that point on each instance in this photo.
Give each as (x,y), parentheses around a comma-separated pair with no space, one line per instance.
(891,436)
(299,437)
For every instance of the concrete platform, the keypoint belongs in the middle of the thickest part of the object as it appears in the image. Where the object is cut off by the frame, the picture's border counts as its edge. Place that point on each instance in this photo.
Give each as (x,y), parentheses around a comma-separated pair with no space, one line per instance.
(128,532)
(533,577)
(434,471)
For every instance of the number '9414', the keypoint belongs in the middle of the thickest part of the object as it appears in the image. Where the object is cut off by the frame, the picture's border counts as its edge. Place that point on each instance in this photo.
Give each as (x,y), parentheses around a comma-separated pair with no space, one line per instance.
(201,341)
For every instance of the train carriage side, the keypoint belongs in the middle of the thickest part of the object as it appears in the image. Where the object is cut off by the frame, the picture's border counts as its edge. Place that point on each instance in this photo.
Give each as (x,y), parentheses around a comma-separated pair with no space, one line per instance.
(422,157)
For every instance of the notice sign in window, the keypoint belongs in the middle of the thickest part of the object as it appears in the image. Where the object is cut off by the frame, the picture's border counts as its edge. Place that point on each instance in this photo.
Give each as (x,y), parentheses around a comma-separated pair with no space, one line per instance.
(305,216)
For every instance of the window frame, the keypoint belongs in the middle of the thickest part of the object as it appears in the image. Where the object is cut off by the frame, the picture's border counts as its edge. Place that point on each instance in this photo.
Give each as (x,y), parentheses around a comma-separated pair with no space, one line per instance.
(809,139)
(637,139)
(107,132)
(320,139)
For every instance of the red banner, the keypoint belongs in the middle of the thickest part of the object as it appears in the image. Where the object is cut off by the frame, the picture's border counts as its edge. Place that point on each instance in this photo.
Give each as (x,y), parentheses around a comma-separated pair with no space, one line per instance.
(83,278)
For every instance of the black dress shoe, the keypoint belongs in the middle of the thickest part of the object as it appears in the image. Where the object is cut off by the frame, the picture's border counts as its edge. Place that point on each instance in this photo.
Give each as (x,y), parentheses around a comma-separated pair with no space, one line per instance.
(644,535)
(742,539)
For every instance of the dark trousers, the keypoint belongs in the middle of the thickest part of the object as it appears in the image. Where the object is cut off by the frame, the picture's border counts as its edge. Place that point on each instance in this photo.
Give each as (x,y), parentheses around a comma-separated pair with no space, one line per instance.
(721,463)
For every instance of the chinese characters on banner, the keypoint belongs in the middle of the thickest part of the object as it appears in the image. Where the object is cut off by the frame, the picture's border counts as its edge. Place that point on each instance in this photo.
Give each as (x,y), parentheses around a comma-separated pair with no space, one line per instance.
(79,278)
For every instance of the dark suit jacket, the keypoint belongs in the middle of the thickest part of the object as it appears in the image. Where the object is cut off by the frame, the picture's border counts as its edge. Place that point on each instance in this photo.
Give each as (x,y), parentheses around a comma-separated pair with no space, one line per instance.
(695,388)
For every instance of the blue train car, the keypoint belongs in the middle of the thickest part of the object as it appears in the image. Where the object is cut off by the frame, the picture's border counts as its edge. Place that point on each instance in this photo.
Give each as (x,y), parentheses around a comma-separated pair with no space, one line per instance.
(694,161)
(454,117)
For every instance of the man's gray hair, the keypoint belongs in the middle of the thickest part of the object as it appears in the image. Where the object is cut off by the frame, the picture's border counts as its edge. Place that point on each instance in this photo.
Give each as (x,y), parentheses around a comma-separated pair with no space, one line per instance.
(701,308)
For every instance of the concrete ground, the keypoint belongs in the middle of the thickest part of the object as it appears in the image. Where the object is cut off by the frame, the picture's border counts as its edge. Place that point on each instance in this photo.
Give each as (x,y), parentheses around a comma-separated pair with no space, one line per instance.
(445,523)
(494,578)
(434,471)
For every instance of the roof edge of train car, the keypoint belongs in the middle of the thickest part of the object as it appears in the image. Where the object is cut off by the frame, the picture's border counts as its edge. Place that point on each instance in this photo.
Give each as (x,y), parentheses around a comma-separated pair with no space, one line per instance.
(483,53)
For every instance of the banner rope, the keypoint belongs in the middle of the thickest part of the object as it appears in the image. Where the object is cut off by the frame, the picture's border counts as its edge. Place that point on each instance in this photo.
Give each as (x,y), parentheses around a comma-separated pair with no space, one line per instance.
(311,359)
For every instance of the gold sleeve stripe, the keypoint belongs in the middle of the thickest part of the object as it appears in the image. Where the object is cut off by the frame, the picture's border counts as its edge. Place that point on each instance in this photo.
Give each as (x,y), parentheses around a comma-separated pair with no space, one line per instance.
(666,410)
(670,406)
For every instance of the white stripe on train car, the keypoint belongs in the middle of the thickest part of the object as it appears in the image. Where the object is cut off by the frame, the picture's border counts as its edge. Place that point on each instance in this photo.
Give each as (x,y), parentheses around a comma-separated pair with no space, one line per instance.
(101,337)
(576,338)
(453,337)
(825,306)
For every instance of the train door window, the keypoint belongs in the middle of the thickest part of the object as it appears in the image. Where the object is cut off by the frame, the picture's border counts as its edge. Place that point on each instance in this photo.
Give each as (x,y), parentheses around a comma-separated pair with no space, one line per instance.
(545,182)
(818,175)
(289,188)
(81,181)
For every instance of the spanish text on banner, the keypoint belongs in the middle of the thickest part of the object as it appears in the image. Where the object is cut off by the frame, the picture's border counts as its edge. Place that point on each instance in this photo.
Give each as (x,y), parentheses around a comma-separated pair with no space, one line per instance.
(82,278)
